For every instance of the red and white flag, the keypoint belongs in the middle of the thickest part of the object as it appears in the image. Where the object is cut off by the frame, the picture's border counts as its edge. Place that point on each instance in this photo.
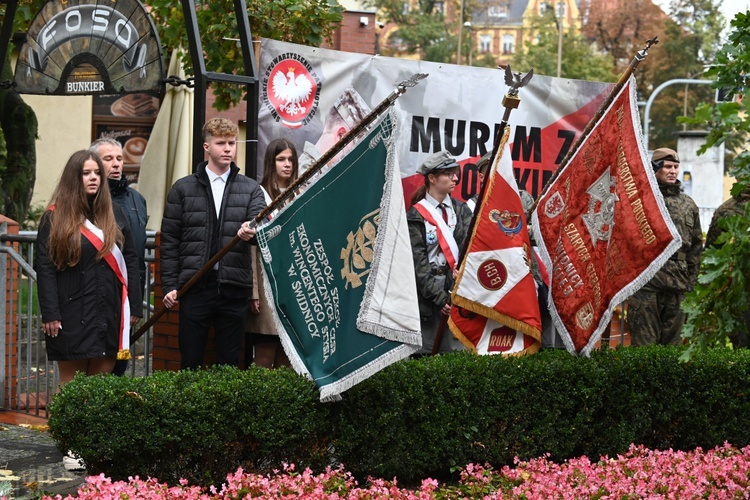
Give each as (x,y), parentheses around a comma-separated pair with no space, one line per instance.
(496,308)
(603,231)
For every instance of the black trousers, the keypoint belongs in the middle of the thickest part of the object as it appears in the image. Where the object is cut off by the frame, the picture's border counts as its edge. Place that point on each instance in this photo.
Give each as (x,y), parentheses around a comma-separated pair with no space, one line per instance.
(199,310)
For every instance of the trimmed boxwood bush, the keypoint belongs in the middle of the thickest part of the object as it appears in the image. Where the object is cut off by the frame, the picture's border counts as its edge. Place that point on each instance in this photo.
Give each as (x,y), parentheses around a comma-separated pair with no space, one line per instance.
(197,425)
(415,419)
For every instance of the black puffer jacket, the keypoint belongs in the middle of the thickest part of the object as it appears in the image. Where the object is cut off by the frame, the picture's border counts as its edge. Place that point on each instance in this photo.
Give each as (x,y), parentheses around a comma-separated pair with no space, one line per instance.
(189,222)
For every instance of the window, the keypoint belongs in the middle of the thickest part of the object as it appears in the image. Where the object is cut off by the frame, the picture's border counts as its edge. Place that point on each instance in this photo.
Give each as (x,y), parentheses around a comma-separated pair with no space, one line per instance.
(405,8)
(497,11)
(485,43)
(439,8)
(508,42)
(543,7)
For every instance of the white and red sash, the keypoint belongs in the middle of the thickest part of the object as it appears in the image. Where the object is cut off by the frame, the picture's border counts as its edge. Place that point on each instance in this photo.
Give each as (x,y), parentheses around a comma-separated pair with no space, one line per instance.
(116,261)
(444,233)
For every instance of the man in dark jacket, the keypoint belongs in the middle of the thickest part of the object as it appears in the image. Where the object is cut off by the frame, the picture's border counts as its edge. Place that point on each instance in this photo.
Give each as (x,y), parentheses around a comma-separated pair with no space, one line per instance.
(132,203)
(654,313)
(204,211)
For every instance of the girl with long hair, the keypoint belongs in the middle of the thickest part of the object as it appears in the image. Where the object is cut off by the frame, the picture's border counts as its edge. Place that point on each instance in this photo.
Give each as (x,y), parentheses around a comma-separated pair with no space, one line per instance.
(87,272)
(280,170)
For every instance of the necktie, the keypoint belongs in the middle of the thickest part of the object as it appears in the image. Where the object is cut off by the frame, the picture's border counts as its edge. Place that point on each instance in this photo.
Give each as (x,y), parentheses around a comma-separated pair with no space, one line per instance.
(444,211)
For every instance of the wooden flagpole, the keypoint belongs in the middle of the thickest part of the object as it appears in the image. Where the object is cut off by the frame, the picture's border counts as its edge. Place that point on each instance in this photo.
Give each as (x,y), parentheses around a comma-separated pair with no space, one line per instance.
(286,195)
(510,102)
(640,56)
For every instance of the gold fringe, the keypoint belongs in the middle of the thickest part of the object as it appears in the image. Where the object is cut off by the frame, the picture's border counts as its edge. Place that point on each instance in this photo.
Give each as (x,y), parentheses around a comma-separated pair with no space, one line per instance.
(532,349)
(123,354)
(488,312)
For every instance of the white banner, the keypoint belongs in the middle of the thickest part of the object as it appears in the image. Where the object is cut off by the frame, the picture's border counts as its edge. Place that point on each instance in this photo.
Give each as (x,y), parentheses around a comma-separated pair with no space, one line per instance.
(457,108)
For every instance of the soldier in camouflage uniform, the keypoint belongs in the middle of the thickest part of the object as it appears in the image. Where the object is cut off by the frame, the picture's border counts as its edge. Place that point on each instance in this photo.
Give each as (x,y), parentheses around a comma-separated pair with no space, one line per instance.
(733,206)
(435,278)
(654,313)
(730,208)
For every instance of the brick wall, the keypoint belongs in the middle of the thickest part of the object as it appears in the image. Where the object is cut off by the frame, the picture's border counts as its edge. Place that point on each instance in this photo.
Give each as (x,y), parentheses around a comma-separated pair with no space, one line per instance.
(351,36)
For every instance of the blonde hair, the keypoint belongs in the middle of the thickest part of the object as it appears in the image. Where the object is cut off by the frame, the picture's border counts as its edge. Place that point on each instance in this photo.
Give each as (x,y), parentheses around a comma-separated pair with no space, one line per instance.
(219,127)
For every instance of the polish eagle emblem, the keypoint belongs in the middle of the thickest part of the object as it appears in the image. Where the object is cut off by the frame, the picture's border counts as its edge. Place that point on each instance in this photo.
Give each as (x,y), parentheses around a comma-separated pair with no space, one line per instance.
(291,90)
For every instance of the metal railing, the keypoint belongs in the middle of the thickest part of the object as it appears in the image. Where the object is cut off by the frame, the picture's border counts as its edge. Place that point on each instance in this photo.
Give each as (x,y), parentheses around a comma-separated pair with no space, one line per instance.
(27,378)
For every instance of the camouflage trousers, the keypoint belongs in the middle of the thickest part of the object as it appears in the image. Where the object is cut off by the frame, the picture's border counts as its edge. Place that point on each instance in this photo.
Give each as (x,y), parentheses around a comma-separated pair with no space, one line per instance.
(655,318)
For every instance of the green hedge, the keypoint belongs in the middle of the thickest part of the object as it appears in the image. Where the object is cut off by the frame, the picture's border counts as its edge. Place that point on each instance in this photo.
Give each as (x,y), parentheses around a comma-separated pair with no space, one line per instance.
(197,425)
(415,419)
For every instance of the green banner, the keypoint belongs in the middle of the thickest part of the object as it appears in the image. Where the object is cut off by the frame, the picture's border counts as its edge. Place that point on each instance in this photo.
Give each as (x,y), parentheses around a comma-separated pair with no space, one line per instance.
(331,256)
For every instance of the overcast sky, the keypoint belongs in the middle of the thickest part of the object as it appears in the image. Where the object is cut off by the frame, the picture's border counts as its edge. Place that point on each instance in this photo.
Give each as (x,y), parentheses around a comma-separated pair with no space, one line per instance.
(728,7)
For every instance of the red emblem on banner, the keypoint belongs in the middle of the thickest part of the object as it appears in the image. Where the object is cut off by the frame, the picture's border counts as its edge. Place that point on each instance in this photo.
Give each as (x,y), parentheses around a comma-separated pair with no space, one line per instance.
(492,274)
(291,90)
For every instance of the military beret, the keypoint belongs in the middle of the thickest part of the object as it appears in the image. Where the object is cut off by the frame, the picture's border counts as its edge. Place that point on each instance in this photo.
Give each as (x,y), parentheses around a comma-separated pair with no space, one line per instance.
(437,161)
(663,154)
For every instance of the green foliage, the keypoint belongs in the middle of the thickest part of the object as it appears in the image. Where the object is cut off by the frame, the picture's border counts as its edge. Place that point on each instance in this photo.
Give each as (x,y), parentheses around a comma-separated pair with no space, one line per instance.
(687,42)
(415,419)
(18,134)
(197,425)
(579,59)
(716,304)
(680,55)
(306,22)
(422,30)
(426,417)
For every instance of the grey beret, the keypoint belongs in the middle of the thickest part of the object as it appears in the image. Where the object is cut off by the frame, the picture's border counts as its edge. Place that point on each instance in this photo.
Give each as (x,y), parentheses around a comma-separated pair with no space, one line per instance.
(437,161)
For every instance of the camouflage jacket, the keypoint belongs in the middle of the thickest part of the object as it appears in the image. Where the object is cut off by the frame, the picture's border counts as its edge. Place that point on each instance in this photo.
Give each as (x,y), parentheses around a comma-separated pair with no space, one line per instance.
(680,273)
(733,206)
(432,293)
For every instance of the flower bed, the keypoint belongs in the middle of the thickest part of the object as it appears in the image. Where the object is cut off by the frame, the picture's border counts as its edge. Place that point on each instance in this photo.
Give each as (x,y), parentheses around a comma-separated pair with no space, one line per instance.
(723,472)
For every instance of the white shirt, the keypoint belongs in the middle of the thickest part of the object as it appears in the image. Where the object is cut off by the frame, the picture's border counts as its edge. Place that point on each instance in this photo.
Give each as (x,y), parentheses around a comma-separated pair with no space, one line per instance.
(218,183)
(434,252)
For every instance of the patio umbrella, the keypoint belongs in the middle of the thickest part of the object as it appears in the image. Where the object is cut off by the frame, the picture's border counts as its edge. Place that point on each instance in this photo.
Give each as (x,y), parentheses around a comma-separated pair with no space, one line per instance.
(169,150)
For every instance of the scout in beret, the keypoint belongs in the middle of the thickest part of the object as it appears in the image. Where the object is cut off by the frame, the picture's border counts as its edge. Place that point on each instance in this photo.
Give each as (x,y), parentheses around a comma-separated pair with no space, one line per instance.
(438,225)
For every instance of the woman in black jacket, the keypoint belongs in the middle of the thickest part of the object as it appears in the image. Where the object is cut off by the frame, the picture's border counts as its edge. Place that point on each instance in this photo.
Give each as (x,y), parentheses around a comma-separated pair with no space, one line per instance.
(87,272)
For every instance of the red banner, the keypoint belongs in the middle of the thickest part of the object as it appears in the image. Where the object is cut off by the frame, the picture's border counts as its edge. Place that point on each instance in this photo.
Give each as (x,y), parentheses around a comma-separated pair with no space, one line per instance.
(602,229)
(495,280)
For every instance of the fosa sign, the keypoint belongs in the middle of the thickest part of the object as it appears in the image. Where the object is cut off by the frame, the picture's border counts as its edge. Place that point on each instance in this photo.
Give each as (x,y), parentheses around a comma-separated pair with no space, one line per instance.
(84,47)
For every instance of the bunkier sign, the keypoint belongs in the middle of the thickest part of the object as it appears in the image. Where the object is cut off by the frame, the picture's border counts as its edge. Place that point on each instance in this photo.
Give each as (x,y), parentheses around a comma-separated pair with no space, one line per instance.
(84,47)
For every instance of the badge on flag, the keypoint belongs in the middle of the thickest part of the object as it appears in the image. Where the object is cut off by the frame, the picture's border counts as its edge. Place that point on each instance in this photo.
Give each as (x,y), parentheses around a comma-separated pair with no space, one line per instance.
(496,310)
(602,229)
(338,265)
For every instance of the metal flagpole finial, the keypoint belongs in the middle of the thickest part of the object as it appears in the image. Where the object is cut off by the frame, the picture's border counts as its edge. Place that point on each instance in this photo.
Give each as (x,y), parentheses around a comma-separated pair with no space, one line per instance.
(641,55)
(514,81)
(411,82)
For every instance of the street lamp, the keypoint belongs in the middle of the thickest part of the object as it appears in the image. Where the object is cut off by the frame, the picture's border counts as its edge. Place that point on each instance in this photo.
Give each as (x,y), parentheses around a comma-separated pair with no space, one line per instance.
(460,31)
(467,25)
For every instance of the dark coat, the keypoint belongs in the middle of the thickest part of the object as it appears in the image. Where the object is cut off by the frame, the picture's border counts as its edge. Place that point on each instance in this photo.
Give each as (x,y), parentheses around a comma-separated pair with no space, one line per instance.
(85,298)
(134,205)
(431,292)
(190,221)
